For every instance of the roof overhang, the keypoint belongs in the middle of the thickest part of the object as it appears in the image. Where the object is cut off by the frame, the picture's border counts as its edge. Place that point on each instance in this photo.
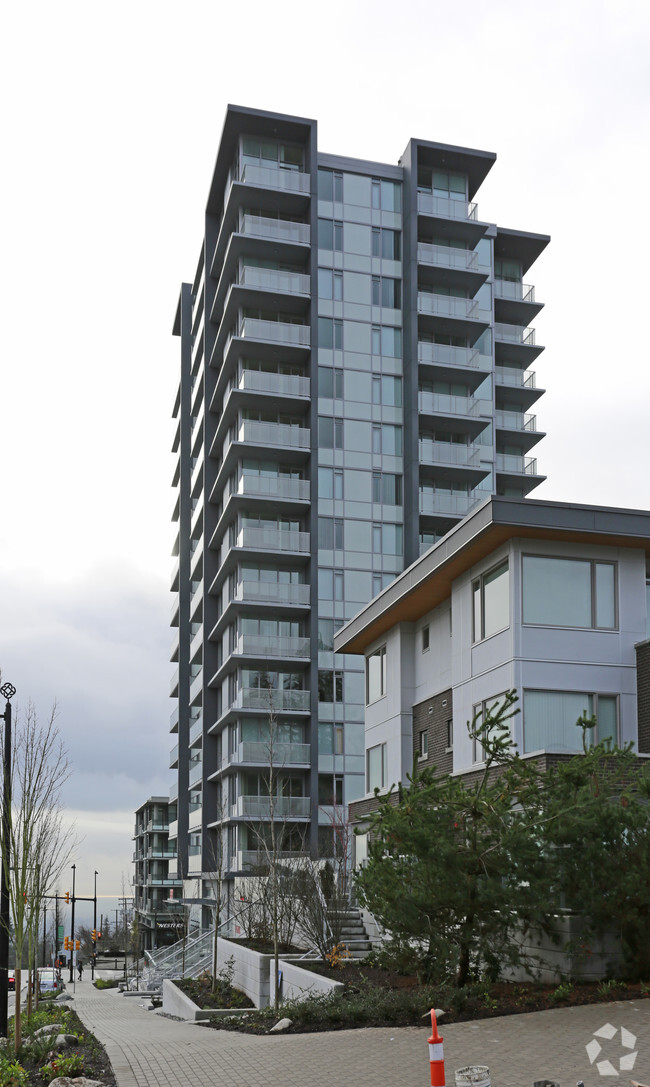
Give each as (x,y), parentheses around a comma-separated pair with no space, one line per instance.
(428,581)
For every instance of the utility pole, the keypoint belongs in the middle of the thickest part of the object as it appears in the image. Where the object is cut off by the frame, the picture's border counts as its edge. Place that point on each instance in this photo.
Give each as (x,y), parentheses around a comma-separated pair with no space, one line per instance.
(7,691)
(44,963)
(72,952)
(94,958)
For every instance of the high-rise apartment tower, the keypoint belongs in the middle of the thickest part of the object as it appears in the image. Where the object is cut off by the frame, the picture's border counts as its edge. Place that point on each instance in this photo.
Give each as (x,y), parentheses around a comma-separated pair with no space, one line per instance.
(355,377)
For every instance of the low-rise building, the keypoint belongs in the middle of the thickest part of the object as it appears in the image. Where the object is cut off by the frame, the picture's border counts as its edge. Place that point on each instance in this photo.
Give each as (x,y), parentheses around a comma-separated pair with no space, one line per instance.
(158,907)
(548,599)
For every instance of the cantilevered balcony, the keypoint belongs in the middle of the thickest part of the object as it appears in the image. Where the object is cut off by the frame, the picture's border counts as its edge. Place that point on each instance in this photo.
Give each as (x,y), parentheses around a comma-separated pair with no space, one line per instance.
(257,753)
(282,385)
(515,302)
(254,645)
(449,453)
(284,807)
(443,361)
(515,343)
(515,420)
(430,403)
(250,860)
(281,701)
(286,541)
(446,505)
(274,488)
(278,230)
(443,256)
(449,315)
(271,435)
(280,332)
(513,465)
(268,177)
(272,592)
(443,305)
(443,208)
(268,279)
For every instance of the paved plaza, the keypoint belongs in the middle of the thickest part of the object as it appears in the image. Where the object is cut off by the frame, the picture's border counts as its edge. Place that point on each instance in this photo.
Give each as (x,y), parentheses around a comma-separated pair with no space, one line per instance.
(148,1050)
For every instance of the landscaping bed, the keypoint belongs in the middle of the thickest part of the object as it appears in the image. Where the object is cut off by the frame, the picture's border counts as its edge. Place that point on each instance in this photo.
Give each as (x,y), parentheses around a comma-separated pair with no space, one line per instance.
(199,990)
(40,1060)
(375,997)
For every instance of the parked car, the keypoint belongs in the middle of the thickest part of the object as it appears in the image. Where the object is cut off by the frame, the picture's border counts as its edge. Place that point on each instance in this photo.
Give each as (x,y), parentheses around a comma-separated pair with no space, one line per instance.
(49,980)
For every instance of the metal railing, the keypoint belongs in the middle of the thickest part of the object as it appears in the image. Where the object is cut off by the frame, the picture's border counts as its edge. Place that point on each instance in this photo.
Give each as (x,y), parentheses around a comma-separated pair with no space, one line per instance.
(509,375)
(515,420)
(510,462)
(519,292)
(514,333)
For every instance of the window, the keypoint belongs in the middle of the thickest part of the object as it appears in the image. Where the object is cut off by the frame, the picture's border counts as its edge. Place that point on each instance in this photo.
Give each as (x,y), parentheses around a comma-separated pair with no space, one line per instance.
(330,482)
(330,284)
(386,292)
(330,383)
(387,439)
(386,195)
(491,601)
(425,638)
(330,533)
(330,686)
(423,746)
(330,790)
(386,243)
(376,675)
(550,719)
(330,333)
(387,539)
(569,592)
(387,488)
(386,340)
(330,185)
(450,734)
(376,768)
(489,707)
(330,432)
(330,235)
(387,390)
(264,152)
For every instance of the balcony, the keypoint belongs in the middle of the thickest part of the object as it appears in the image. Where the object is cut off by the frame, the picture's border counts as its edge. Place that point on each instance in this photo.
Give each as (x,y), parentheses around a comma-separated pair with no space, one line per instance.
(451,453)
(284,807)
(252,645)
(246,859)
(268,279)
(277,230)
(272,539)
(281,701)
(173,684)
(453,358)
(173,757)
(518,292)
(514,465)
(512,377)
(270,592)
(259,754)
(440,207)
(268,177)
(260,381)
(196,773)
(442,256)
(430,403)
(280,332)
(443,305)
(515,420)
(518,334)
(274,487)
(446,505)
(196,730)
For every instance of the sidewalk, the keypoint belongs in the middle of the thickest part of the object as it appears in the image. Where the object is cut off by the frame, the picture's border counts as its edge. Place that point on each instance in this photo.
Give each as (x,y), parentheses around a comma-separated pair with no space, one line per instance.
(148,1050)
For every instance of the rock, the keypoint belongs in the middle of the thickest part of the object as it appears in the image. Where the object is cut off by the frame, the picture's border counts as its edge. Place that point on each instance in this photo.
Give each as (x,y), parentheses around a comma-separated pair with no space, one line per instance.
(78,1081)
(62,1041)
(63,997)
(51,1028)
(284,1024)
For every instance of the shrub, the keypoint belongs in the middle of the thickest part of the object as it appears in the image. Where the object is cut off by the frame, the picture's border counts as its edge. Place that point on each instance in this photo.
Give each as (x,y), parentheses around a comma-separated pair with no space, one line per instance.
(106,983)
(63,1066)
(12,1074)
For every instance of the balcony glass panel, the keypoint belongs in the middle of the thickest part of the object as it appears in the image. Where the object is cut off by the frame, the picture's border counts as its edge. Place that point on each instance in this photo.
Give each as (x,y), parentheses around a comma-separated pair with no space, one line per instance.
(509,375)
(515,420)
(290,437)
(442,404)
(274,487)
(275,331)
(444,208)
(278,229)
(441,354)
(509,462)
(432,452)
(273,592)
(254,698)
(273,539)
(256,645)
(280,384)
(278,178)
(283,754)
(284,807)
(444,256)
(272,280)
(447,504)
(447,306)
(520,292)
(514,333)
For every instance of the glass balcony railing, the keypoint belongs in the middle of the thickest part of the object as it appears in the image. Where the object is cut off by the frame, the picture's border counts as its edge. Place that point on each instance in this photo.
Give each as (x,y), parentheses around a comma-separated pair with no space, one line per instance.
(274,487)
(284,807)
(196,730)
(173,756)
(259,753)
(271,280)
(280,230)
(270,592)
(450,505)
(515,420)
(268,539)
(443,208)
(256,698)
(274,434)
(519,292)
(514,334)
(196,772)
(508,375)
(440,404)
(260,381)
(443,305)
(432,452)
(268,177)
(509,462)
(260,646)
(251,328)
(440,354)
(443,256)
(256,858)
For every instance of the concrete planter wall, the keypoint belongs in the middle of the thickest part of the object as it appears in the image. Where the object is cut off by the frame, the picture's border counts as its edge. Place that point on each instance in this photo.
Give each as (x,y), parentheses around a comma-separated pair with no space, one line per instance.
(592,961)
(252,970)
(177,1003)
(298,982)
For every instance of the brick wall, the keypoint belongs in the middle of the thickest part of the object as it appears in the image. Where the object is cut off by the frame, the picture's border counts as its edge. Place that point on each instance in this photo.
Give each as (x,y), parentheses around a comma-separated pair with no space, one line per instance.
(643,695)
(432,718)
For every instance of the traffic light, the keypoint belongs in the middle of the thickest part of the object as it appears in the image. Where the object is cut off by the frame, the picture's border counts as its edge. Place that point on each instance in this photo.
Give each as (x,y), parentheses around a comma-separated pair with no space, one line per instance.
(66,943)
(94,935)
(77,945)
(67,896)
(99,935)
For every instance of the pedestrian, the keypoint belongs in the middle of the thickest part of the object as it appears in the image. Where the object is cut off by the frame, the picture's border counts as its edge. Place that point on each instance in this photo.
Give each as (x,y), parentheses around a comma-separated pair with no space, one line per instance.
(81,970)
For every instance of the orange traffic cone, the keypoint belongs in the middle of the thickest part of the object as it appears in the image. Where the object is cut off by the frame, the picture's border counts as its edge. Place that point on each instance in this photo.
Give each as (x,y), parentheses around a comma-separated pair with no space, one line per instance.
(436,1054)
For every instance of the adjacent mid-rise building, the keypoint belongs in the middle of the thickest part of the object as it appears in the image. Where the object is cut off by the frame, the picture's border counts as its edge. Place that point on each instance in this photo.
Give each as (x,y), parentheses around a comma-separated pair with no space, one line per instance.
(356,376)
(157,895)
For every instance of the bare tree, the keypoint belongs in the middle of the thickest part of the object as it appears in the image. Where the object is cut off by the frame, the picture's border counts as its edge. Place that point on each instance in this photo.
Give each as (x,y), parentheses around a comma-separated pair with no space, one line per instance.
(39,845)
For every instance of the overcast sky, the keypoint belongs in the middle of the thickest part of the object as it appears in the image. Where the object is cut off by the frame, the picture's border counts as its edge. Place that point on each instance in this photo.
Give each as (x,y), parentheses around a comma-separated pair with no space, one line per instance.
(112,117)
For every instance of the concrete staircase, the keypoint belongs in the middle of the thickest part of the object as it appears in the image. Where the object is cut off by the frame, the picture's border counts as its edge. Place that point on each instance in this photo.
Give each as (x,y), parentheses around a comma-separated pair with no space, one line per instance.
(353,932)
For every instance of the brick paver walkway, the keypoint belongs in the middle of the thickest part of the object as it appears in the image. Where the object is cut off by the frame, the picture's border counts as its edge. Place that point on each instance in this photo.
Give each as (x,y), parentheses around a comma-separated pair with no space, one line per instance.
(148,1050)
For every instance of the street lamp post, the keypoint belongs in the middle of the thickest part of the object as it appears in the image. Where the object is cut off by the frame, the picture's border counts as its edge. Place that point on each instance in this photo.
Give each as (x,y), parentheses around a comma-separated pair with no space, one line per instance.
(94,958)
(7,691)
(72,954)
